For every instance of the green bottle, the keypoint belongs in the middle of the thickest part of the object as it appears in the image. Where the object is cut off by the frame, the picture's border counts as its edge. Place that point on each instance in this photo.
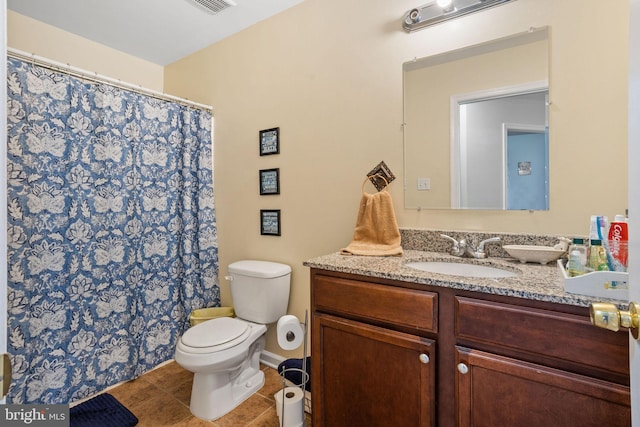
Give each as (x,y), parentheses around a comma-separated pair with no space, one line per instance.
(597,256)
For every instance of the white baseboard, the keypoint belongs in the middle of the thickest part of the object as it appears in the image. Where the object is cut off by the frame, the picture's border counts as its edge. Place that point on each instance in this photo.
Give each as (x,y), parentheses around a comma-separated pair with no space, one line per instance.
(272,360)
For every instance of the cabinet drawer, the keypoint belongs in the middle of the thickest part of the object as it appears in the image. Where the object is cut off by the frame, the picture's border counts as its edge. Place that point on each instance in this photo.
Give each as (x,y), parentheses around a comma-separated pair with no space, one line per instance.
(394,306)
(541,332)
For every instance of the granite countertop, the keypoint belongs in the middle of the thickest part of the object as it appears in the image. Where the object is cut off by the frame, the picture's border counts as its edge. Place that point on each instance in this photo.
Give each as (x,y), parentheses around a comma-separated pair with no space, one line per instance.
(534,281)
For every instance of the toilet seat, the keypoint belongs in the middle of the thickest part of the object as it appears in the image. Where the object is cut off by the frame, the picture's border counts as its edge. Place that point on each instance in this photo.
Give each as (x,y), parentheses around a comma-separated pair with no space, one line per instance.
(215,335)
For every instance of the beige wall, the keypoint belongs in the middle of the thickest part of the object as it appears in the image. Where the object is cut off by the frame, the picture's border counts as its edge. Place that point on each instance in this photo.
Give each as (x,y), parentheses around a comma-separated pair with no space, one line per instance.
(329,74)
(35,37)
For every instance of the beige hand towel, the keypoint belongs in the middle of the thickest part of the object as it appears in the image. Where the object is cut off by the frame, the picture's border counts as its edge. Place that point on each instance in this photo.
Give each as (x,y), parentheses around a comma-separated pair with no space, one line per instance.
(376,232)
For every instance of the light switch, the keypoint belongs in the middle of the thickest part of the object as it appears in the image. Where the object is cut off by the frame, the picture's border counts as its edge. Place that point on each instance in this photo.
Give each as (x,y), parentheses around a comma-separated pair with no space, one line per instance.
(424,183)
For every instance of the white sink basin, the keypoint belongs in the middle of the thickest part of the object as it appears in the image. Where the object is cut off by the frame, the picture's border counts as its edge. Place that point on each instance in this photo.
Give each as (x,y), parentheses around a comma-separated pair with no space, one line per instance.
(461,269)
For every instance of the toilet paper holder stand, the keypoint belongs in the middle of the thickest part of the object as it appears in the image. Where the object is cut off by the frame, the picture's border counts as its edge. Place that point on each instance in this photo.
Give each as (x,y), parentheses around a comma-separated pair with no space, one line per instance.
(303,372)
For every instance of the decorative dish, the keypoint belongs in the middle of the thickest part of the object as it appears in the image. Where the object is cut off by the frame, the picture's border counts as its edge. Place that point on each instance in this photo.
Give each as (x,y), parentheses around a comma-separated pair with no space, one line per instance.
(531,253)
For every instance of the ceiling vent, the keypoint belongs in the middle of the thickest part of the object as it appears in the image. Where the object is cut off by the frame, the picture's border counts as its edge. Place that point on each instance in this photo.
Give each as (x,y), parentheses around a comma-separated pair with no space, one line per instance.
(215,6)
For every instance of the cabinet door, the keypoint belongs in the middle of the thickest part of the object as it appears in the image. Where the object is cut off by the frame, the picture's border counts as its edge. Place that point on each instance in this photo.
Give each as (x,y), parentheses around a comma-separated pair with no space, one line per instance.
(364,375)
(498,391)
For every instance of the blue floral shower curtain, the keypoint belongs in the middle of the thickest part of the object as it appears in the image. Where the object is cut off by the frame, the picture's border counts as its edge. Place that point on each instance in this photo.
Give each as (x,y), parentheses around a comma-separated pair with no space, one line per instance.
(112,231)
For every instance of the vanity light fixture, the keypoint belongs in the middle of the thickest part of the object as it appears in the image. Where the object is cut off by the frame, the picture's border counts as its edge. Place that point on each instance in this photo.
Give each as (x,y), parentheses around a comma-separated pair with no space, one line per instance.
(445,5)
(442,10)
(215,6)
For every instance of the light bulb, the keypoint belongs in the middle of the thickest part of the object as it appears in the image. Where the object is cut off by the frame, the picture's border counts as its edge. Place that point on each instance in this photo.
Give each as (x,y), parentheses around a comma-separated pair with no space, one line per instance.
(444,3)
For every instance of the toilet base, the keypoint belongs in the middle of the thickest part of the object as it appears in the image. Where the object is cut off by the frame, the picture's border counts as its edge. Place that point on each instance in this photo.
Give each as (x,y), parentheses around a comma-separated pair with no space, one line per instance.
(214,395)
(211,402)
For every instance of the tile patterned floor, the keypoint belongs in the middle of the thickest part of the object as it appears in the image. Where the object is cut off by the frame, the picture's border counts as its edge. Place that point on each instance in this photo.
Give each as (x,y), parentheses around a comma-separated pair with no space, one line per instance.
(161,398)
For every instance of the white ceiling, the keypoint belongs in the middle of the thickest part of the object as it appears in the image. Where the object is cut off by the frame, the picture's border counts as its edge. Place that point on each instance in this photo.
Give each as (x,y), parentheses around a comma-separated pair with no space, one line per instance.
(159,31)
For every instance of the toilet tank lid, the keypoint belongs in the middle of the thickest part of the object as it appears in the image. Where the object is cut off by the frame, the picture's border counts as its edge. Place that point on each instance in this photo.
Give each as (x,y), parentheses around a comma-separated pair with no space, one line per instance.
(261,269)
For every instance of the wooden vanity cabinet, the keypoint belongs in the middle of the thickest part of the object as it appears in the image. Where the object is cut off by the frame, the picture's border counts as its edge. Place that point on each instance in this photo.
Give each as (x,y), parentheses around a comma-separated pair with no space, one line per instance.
(390,353)
(372,376)
(372,367)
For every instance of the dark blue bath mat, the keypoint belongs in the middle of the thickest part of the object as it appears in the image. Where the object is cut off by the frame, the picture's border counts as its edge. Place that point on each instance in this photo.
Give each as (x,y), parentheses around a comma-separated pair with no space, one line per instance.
(103,410)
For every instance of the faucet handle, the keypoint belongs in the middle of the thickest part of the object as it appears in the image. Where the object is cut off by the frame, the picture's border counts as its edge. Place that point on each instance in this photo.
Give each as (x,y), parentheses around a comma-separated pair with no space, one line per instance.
(455,242)
(458,247)
(484,242)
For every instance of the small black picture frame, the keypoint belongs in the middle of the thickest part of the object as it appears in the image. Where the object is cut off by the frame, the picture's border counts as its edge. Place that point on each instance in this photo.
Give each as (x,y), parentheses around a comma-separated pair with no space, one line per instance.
(270,222)
(269,181)
(270,141)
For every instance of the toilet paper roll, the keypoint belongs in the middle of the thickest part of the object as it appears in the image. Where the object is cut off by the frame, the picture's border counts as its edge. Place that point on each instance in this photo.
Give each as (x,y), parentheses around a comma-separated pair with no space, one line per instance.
(290,333)
(293,401)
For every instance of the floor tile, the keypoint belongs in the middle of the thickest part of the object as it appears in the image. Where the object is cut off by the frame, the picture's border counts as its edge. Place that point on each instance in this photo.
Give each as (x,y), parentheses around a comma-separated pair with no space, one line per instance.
(134,392)
(267,419)
(183,392)
(169,377)
(193,422)
(246,412)
(161,410)
(161,398)
(272,383)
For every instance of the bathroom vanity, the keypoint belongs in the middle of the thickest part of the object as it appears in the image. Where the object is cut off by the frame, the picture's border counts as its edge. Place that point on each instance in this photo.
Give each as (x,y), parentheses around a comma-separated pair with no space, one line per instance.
(394,346)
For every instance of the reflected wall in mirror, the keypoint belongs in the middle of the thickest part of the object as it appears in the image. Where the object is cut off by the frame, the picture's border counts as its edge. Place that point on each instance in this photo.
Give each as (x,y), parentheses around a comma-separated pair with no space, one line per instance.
(501,149)
(476,127)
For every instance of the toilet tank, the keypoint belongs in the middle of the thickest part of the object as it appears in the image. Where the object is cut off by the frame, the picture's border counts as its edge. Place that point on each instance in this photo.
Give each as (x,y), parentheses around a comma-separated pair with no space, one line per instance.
(260,290)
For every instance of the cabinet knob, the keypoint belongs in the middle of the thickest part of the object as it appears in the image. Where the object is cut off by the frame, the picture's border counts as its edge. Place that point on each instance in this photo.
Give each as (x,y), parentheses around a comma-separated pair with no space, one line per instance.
(424,358)
(462,368)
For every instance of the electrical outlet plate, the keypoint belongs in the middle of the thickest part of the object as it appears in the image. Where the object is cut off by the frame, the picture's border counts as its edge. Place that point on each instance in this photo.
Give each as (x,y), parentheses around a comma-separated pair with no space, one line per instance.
(424,184)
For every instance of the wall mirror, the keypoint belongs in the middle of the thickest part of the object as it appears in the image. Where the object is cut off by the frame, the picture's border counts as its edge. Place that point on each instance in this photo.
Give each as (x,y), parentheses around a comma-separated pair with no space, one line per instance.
(476,126)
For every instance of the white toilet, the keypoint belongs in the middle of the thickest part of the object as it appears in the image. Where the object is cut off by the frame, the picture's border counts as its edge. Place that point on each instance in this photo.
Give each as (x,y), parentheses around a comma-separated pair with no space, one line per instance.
(224,353)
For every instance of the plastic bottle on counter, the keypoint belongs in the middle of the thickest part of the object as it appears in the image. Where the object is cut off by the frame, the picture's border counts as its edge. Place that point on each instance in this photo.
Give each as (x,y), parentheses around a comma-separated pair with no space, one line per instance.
(597,256)
(577,263)
(575,266)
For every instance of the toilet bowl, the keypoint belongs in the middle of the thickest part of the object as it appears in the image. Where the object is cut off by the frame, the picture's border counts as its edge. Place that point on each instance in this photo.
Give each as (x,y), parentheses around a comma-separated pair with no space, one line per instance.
(224,353)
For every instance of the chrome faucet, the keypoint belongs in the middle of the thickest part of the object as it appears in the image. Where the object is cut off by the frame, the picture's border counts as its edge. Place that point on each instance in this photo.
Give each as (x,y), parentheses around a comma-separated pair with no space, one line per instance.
(464,248)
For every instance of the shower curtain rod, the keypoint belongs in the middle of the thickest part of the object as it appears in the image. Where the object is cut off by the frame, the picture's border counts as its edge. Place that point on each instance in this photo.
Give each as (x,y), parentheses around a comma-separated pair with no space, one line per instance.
(99,78)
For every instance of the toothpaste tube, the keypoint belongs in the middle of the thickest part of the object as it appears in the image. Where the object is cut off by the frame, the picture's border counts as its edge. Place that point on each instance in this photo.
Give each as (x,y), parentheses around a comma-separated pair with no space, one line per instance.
(618,243)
